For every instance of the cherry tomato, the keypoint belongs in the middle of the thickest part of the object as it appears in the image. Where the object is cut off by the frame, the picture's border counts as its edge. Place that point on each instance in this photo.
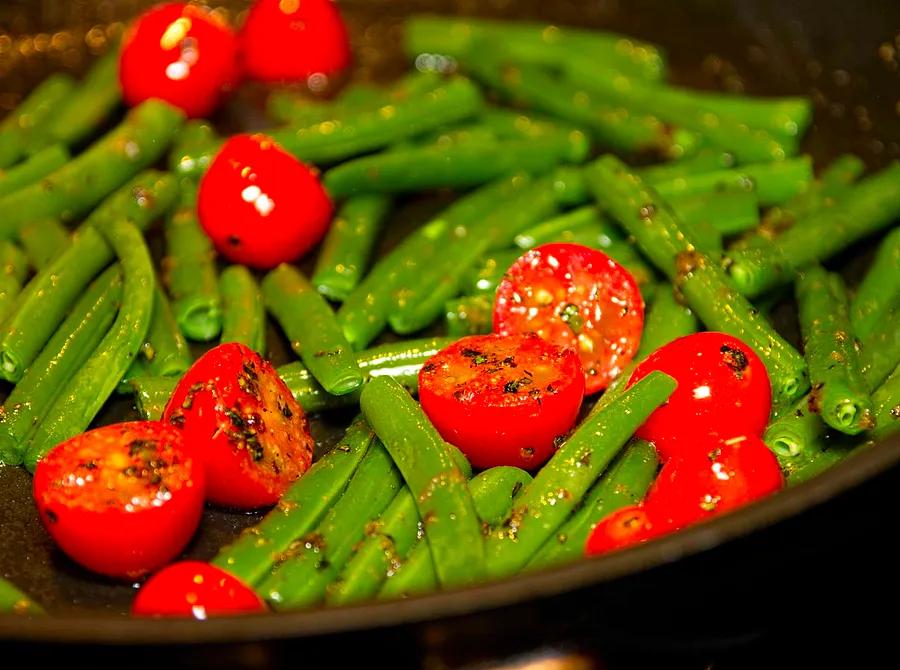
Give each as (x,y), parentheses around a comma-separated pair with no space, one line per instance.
(576,297)
(291,40)
(195,589)
(181,53)
(503,400)
(723,390)
(261,206)
(250,433)
(123,499)
(717,476)
(622,528)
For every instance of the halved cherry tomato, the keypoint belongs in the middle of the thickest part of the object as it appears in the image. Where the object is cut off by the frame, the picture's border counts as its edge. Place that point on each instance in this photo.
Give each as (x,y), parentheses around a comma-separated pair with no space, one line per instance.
(245,425)
(291,40)
(261,206)
(577,297)
(503,400)
(717,476)
(180,53)
(123,499)
(195,589)
(723,390)
(622,528)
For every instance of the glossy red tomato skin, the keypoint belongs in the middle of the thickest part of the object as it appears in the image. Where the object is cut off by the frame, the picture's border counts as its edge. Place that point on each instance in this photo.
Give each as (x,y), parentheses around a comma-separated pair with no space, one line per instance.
(119,522)
(716,477)
(196,590)
(623,528)
(291,40)
(503,400)
(723,390)
(574,296)
(251,435)
(182,54)
(259,205)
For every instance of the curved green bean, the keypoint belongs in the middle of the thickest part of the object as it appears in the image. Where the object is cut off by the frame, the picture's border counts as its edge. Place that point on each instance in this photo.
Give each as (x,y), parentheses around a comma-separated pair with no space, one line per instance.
(666,320)
(886,400)
(33,168)
(193,149)
(20,130)
(13,268)
(43,240)
(243,309)
(495,489)
(879,291)
(797,436)
(165,350)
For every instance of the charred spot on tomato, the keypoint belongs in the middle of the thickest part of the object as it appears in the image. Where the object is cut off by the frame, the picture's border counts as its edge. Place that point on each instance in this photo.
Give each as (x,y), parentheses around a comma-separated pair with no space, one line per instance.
(248,379)
(735,359)
(558,441)
(513,386)
(51,516)
(234,240)
(177,420)
(429,367)
(476,357)
(714,454)
(527,453)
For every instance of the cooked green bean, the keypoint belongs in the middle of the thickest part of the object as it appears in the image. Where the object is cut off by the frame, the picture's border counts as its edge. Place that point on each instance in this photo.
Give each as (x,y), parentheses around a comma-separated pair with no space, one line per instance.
(624,483)
(705,160)
(839,393)
(80,184)
(189,271)
(452,527)
(193,149)
(880,350)
(828,456)
(728,212)
(165,349)
(886,400)
(243,309)
(33,168)
(469,315)
(89,388)
(44,302)
(312,329)
(666,320)
(13,268)
(879,292)
(71,345)
(349,245)
(21,129)
(482,279)
(552,229)
(704,285)
(251,556)
(151,395)
(43,240)
(869,206)
(14,601)
(797,436)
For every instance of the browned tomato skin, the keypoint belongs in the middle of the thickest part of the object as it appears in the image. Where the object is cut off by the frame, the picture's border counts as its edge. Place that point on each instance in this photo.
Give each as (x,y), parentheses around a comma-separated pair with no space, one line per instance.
(121,500)
(503,400)
(250,432)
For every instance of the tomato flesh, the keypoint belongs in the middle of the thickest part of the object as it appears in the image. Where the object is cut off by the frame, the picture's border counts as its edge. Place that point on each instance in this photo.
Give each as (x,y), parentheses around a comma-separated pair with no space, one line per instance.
(249,431)
(197,590)
(503,400)
(259,205)
(623,528)
(576,297)
(180,53)
(123,499)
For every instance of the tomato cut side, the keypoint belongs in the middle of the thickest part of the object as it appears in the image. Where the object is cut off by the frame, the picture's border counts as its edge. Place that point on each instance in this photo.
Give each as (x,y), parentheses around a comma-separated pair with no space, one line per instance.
(577,297)
(241,419)
(123,499)
(503,400)
(623,528)
(195,589)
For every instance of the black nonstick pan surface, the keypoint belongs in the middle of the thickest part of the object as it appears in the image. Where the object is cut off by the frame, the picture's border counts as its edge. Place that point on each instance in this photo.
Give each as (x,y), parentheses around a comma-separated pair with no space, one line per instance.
(790,558)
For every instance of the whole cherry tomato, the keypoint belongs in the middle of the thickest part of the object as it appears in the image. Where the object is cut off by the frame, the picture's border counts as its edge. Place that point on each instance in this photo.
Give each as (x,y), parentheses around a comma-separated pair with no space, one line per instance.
(723,390)
(623,528)
(577,297)
(291,40)
(503,400)
(715,477)
(195,589)
(245,425)
(121,500)
(261,206)
(180,53)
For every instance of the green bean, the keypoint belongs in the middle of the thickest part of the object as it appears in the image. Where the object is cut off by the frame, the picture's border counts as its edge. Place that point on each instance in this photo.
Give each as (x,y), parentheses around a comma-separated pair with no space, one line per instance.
(563,482)
(483,279)
(839,393)
(302,576)
(335,140)
(772,183)
(879,291)
(193,149)
(349,245)
(14,601)
(13,268)
(510,124)
(728,212)
(43,304)
(88,389)
(551,229)
(886,400)
(34,168)
(66,352)
(469,315)
(243,309)
(251,556)
(880,350)
(666,320)
(796,436)
(78,186)
(868,207)
(88,107)
(532,43)
(151,395)
(165,349)
(827,457)
(424,299)
(452,527)
(43,240)
(706,160)
(189,271)
(22,126)
(314,333)
(624,483)
(705,286)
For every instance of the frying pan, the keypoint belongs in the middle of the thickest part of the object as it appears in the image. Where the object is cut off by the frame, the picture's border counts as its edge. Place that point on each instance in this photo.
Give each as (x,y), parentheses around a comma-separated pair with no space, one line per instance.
(775,564)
